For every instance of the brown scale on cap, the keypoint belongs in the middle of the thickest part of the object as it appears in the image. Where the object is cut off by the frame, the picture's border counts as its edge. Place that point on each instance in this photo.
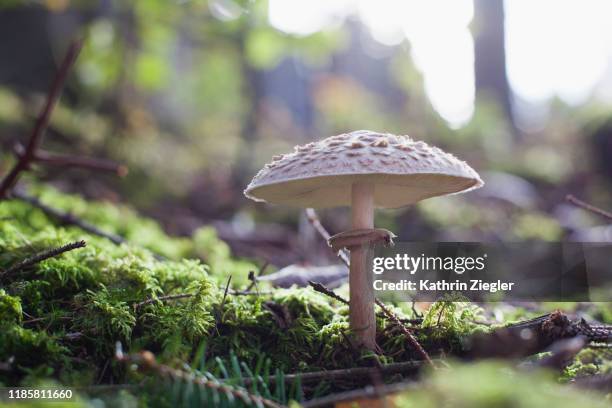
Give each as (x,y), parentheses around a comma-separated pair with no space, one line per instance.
(319,174)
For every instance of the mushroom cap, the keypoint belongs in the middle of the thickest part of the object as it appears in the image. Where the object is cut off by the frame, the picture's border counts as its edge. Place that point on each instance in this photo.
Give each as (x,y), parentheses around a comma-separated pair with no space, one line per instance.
(320,174)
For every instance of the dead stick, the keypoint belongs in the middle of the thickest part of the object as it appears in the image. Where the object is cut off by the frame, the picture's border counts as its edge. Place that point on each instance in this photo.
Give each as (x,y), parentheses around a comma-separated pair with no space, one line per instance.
(584,205)
(42,256)
(67,218)
(227,285)
(319,287)
(315,221)
(350,373)
(413,341)
(369,392)
(42,121)
(64,160)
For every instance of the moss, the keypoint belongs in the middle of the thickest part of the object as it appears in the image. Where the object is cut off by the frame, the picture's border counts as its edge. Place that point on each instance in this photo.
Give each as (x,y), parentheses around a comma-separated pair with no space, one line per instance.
(492,384)
(589,362)
(123,221)
(449,322)
(10,309)
(60,318)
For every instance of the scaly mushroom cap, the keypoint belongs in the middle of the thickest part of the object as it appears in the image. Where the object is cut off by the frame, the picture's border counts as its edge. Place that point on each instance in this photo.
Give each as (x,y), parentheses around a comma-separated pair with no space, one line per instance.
(320,174)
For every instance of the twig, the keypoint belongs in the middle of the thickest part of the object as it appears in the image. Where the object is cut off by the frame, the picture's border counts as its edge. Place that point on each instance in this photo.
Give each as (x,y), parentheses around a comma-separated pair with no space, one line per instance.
(54,159)
(319,287)
(584,205)
(351,373)
(253,277)
(368,392)
(315,221)
(42,121)
(146,361)
(67,218)
(227,285)
(413,341)
(42,256)
(533,336)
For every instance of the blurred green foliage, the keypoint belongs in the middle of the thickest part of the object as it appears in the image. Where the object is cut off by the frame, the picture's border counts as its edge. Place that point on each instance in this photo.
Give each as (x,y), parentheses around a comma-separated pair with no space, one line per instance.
(493,384)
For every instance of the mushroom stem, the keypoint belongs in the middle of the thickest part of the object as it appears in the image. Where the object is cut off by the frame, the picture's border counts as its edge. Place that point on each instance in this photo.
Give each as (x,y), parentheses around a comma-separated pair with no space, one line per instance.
(361,305)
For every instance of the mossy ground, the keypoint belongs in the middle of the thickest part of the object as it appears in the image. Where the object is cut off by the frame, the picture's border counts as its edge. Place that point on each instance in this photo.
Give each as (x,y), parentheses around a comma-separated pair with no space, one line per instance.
(61,318)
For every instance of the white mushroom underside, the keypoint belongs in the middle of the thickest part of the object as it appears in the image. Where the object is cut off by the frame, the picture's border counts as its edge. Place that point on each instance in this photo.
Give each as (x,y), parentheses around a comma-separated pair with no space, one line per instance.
(390,190)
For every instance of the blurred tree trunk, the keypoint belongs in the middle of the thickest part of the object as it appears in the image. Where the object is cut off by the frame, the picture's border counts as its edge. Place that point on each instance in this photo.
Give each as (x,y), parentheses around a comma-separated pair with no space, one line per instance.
(490,55)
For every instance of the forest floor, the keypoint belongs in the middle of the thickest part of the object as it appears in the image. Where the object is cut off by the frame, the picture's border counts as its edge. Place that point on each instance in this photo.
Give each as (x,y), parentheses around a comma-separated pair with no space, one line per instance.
(98,299)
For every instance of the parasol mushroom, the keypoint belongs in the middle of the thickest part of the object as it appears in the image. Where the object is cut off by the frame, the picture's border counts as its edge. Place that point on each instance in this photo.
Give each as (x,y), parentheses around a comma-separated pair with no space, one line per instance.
(363,170)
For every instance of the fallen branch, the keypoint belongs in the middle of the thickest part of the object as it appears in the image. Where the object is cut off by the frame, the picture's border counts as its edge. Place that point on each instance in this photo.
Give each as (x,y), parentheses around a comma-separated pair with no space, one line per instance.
(315,221)
(63,160)
(42,121)
(42,256)
(350,373)
(589,207)
(67,218)
(145,360)
(318,287)
(368,393)
(534,336)
(411,339)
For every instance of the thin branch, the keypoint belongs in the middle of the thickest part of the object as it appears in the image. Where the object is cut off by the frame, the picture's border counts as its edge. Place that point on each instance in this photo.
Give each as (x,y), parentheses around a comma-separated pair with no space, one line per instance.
(413,341)
(42,121)
(315,221)
(227,285)
(146,361)
(43,256)
(64,160)
(369,392)
(319,287)
(253,277)
(589,207)
(67,218)
(350,373)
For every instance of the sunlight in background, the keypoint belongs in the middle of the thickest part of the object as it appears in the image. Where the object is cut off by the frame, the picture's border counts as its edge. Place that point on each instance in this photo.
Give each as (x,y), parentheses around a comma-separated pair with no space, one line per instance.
(553,47)
(438,40)
(557,47)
